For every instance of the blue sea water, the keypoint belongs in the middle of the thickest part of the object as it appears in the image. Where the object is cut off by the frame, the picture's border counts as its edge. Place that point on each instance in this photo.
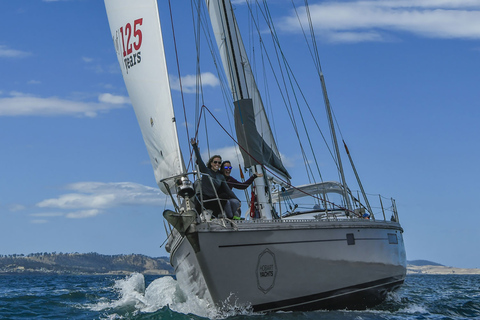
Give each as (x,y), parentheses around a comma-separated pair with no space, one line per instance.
(147,297)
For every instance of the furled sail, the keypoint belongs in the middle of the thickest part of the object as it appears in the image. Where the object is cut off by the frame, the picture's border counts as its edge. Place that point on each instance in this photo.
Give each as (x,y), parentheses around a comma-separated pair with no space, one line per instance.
(251,123)
(137,36)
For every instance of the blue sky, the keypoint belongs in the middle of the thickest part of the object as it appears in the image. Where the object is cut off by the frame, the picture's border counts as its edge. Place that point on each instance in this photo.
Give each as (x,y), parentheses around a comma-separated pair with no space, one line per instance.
(75,176)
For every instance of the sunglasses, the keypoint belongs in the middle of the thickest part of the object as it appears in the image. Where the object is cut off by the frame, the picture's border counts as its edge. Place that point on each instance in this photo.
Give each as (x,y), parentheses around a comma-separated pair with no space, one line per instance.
(217,162)
(226,168)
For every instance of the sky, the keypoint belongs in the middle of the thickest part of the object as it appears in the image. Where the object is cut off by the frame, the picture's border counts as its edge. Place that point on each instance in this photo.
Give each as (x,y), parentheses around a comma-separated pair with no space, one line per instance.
(75,176)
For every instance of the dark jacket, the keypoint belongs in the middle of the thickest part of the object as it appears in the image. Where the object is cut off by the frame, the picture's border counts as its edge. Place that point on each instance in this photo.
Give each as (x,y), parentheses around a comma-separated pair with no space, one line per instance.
(234,183)
(218,179)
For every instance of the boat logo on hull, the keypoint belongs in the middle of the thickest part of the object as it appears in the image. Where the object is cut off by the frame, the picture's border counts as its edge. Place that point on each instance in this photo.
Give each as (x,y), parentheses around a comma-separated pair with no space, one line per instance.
(266,271)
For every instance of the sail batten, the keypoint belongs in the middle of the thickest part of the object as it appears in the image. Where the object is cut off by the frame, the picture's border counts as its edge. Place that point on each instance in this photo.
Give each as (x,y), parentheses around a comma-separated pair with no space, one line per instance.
(136,32)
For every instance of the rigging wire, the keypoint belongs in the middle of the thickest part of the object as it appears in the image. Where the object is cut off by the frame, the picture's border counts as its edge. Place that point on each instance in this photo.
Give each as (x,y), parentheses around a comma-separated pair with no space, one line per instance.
(272,173)
(178,67)
(283,94)
(327,105)
(211,43)
(280,58)
(337,126)
(292,78)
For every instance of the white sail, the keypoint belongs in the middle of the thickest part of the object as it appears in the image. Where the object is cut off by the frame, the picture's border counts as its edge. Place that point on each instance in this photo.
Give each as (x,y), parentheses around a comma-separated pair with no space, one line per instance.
(244,89)
(136,32)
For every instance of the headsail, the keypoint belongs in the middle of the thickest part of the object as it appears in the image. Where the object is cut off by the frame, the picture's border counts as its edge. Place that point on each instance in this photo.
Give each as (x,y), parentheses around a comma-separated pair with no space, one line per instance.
(136,33)
(251,123)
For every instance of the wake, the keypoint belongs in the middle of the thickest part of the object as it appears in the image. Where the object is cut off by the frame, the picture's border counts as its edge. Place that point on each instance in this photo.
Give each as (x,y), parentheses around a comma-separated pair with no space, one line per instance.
(162,292)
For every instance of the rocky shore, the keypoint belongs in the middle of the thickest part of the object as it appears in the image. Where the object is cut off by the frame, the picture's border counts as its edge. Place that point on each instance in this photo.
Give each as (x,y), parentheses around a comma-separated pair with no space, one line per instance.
(433,269)
(83,263)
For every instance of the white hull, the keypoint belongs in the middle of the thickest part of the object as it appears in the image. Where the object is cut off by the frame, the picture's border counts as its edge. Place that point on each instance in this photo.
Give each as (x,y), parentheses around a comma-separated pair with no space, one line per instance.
(293,264)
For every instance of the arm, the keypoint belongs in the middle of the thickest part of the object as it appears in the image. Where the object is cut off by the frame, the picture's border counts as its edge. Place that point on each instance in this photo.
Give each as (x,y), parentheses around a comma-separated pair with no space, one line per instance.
(201,165)
(234,183)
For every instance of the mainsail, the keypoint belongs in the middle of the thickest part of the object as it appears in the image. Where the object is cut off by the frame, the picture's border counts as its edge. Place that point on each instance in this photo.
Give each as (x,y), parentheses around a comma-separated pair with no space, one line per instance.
(251,123)
(136,33)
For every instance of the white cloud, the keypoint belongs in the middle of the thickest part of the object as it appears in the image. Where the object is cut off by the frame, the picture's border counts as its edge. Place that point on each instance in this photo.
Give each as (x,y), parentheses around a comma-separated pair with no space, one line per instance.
(76,200)
(189,82)
(6,52)
(355,21)
(83,214)
(227,153)
(288,162)
(19,104)
(110,98)
(99,195)
(16,207)
(47,214)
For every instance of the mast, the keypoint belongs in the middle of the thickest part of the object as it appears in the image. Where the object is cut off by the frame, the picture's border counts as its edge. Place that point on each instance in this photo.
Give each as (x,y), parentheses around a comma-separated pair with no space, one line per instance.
(329,113)
(335,141)
(137,36)
(253,130)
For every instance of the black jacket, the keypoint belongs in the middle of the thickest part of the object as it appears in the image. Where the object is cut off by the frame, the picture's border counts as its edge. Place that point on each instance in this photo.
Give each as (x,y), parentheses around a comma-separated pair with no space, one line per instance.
(216,177)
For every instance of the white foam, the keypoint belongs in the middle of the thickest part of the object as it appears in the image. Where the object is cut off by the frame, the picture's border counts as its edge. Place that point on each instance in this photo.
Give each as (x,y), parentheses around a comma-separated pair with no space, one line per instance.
(164,291)
(414,309)
(131,291)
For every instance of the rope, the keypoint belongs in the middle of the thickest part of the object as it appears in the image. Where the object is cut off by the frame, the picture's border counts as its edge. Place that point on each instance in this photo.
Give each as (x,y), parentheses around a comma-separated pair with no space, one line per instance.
(178,66)
(280,58)
(270,171)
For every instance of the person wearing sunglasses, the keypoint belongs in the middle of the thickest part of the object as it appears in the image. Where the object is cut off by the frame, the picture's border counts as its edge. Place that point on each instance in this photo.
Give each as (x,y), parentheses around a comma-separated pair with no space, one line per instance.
(213,183)
(226,170)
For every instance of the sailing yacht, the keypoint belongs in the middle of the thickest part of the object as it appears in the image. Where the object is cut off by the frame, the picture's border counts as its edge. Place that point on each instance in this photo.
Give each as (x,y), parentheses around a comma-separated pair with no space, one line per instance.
(307,247)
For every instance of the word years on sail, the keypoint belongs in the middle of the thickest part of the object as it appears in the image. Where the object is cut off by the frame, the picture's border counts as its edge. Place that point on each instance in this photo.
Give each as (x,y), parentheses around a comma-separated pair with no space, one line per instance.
(128,41)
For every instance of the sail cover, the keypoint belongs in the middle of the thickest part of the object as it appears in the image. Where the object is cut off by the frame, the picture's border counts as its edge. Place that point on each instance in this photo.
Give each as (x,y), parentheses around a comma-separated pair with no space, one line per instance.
(136,33)
(251,123)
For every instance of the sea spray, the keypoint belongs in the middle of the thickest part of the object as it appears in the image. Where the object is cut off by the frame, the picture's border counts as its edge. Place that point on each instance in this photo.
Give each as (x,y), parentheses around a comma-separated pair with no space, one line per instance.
(134,298)
(130,291)
(165,292)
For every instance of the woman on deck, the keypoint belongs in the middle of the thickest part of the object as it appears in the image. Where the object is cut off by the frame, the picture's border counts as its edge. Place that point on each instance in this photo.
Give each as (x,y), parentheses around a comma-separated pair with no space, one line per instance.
(226,170)
(214,188)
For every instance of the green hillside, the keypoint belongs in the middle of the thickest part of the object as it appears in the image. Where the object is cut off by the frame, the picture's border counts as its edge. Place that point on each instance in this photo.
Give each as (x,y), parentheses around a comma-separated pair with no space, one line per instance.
(83,263)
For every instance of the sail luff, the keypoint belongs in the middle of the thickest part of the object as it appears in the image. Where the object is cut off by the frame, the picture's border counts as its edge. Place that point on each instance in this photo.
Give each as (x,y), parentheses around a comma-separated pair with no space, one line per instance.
(136,32)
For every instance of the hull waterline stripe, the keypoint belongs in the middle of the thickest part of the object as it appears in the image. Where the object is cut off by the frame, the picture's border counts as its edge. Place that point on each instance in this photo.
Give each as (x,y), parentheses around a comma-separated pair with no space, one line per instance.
(334,297)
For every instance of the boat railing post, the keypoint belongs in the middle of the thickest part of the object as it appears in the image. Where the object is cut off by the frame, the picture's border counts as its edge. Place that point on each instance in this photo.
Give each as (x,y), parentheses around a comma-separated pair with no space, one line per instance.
(395,212)
(216,195)
(279,203)
(381,204)
(325,204)
(199,178)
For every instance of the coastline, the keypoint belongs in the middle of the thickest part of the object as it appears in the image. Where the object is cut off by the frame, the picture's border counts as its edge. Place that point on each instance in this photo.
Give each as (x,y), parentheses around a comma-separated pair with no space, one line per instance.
(439,270)
(99,264)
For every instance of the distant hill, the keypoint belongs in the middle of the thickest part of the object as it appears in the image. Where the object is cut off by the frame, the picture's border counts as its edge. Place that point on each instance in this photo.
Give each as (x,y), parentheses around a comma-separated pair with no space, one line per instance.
(432,268)
(84,263)
(421,263)
(94,263)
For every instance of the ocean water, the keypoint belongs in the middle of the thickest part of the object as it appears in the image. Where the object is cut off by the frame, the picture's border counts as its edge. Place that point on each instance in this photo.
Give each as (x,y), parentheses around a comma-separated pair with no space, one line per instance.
(138,297)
